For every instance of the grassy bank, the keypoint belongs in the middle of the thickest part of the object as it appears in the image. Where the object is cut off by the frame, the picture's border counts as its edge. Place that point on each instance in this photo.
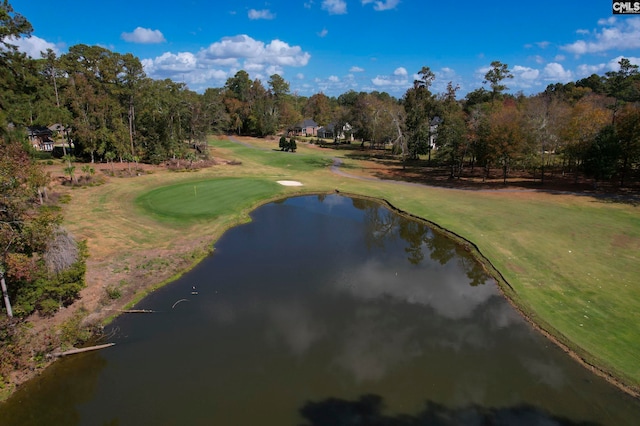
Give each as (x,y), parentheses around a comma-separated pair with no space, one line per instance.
(571,261)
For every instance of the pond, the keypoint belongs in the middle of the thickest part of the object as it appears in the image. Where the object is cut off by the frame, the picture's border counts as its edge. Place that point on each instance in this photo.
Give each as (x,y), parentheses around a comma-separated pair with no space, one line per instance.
(324,310)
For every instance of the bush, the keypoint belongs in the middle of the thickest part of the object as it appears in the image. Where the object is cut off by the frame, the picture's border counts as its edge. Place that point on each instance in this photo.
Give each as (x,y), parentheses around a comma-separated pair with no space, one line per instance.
(72,332)
(113,292)
(283,143)
(48,307)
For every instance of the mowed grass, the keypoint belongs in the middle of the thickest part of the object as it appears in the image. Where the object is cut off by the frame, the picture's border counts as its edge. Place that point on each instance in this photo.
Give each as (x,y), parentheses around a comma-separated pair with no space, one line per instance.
(570,262)
(203,200)
(268,156)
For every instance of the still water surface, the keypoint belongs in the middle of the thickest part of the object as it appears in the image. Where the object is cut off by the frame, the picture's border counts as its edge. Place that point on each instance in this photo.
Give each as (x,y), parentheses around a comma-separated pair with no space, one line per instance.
(324,310)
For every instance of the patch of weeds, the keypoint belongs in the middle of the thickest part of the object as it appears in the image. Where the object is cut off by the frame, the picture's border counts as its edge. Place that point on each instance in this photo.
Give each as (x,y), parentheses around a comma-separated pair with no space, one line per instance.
(154,264)
(125,268)
(72,332)
(113,292)
(64,199)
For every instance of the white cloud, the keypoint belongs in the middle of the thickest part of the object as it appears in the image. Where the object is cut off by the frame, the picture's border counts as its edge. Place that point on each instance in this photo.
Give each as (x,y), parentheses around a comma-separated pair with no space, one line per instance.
(240,46)
(255,52)
(399,78)
(356,69)
(525,73)
(380,5)
(213,64)
(538,59)
(253,67)
(607,21)
(616,35)
(334,79)
(300,76)
(555,72)
(261,14)
(400,71)
(170,63)
(144,36)
(280,53)
(32,46)
(445,73)
(585,70)
(184,67)
(206,76)
(335,7)
(323,33)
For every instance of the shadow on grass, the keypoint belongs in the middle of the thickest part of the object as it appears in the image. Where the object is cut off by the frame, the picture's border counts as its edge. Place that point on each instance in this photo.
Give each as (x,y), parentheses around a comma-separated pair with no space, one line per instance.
(368,411)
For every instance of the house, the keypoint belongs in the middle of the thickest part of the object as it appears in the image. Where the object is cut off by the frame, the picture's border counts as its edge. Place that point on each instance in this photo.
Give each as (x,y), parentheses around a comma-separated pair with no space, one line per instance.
(40,138)
(329,132)
(306,128)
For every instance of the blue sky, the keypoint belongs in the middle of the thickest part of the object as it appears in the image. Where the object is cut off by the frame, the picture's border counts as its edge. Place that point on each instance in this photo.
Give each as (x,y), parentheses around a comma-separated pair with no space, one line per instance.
(333,46)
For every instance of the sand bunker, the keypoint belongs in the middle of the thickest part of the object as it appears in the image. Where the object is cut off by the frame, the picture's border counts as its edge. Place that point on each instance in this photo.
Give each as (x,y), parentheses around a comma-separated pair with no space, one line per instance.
(289,183)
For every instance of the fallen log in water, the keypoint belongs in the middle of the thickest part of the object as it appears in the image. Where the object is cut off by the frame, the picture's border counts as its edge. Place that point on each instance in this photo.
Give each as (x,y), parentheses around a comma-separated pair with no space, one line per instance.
(80,350)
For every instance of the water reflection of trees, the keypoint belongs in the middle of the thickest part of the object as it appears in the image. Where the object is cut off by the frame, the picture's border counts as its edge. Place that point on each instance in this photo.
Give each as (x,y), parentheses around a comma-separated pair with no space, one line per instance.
(368,410)
(383,226)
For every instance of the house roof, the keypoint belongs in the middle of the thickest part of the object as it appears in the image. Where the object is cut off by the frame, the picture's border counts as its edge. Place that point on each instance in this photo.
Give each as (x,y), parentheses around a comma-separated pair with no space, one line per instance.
(57,127)
(307,123)
(38,131)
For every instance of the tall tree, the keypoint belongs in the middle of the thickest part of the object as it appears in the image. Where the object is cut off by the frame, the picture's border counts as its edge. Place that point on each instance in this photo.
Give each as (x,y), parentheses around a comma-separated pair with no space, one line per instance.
(129,78)
(495,76)
(507,136)
(451,132)
(237,101)
(216,114)
(15,103)
(51,71)
(627,129)
(420,108)
(587,118)
(279,90)
(318,108)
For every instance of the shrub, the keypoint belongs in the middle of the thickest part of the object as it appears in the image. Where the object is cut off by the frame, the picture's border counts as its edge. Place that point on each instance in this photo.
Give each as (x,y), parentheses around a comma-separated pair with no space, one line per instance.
(113,292)
(48,307)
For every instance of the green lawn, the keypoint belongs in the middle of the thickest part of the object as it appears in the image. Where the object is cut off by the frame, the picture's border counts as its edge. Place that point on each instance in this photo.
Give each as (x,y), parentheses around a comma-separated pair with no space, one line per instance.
(208,199)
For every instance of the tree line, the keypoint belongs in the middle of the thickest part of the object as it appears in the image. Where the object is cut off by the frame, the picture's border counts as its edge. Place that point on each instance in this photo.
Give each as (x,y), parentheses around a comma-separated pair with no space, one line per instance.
(115,111)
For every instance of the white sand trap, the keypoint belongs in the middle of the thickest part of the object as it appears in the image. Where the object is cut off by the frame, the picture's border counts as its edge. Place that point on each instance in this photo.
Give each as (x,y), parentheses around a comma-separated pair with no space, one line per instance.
(289,183)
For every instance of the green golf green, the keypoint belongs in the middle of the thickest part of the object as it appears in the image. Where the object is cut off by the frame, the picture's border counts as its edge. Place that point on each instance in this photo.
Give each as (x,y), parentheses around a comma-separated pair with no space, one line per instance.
(206,199)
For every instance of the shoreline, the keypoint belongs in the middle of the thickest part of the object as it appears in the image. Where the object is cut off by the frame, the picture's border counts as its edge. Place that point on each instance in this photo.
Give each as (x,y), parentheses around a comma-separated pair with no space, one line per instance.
(199,247)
